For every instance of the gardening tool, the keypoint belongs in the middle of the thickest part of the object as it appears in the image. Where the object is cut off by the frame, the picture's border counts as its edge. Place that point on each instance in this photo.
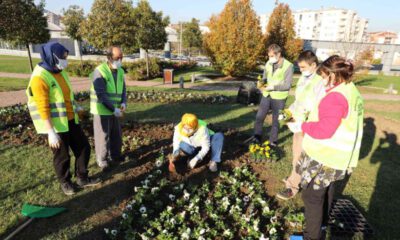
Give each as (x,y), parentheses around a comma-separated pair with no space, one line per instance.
(32,212)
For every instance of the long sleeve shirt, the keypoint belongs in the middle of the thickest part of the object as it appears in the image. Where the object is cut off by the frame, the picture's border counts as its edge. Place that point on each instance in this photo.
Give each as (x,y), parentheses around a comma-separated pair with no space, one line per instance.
(99,84)
(40,91)
(200,138)
(331,110)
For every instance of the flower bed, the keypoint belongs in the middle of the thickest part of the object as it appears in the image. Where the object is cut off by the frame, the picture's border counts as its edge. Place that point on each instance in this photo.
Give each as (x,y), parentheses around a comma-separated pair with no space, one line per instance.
(234,207)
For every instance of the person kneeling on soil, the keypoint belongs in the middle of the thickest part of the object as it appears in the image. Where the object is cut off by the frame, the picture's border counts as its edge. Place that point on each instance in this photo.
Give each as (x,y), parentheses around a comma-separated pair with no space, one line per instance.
(193,139)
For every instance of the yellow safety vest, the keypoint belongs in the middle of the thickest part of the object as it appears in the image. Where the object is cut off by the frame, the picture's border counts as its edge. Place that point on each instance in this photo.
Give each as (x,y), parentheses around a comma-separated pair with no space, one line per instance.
(58,111)
(342,150)
(114,90)
(275,78)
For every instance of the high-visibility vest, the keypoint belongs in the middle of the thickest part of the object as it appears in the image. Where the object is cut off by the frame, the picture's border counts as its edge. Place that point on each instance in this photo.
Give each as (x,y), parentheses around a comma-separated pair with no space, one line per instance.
(58,111)
(113,88)
(305,97)
(342,150)
(275,78)
(203,123)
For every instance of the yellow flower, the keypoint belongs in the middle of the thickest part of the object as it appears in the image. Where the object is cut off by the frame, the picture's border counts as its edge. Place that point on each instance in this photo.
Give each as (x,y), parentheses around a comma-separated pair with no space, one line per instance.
(252,149)
(267,155)
(266,143)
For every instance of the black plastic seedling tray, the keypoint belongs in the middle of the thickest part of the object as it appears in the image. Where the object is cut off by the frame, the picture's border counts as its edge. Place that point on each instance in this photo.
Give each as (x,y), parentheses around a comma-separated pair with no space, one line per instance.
(345,219)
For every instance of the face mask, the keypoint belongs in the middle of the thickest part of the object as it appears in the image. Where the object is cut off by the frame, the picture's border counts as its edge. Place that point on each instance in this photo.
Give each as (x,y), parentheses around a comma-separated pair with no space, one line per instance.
(62,63)
(273,60)
(188,132)
(306,73)
(116,64)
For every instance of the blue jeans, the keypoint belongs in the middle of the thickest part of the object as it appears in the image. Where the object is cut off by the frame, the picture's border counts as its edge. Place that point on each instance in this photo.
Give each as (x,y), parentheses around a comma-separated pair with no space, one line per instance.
(217,142)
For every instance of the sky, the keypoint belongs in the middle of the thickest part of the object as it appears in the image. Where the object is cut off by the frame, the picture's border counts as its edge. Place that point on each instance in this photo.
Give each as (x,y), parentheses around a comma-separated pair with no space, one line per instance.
(382,14)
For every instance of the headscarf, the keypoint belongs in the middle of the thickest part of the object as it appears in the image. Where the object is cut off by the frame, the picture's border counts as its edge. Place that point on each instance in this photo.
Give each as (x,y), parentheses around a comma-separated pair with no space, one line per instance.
(48,60)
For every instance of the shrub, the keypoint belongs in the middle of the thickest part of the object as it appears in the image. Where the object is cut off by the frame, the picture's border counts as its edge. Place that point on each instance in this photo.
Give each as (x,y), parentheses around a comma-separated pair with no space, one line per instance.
(137,70)
(84,70)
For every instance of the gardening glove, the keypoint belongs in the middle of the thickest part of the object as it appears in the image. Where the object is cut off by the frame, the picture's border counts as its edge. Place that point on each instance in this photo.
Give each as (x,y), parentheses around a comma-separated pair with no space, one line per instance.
(193,162)
(295,127)
(117,112)
(54,139)
(269,88)
(281,117)
(123,107)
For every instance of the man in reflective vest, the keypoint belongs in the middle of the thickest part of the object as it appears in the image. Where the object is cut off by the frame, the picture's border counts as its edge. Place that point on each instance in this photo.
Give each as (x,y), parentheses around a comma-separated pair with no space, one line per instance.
(193,139)
(107,104)
(278,76)
(54,112)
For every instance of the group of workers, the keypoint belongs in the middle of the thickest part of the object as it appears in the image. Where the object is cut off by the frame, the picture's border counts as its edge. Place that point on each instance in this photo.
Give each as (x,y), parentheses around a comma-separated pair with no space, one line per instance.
(327,124)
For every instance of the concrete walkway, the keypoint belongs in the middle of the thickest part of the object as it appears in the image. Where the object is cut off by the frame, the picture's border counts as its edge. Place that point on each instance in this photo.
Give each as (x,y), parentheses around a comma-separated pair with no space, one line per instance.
(83,84)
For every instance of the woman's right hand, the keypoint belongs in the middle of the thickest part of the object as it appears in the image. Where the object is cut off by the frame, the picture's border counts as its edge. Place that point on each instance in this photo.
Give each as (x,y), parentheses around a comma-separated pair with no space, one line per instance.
(54,139)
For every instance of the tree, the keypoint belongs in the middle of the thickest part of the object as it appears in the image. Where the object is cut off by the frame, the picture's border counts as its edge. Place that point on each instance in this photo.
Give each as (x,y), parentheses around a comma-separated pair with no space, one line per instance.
(280,30)
(150,29)
(24,24)
(73,19)
(234,43)
(191,35)
(110,23)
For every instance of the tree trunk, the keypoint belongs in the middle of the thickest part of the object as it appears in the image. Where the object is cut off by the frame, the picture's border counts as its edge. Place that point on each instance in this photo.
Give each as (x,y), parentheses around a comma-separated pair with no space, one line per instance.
(147,64)
(29,57)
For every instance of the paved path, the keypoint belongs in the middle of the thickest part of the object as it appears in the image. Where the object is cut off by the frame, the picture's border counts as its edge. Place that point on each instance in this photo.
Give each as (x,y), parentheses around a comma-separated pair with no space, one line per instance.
(83,84)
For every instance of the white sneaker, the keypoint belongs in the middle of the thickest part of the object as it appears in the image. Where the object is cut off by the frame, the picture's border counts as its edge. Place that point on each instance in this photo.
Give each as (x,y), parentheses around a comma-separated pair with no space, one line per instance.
(192,163)
(213,166)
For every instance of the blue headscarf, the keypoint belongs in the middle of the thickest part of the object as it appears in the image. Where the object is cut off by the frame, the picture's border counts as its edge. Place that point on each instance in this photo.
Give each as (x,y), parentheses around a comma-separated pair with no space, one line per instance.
(48,60)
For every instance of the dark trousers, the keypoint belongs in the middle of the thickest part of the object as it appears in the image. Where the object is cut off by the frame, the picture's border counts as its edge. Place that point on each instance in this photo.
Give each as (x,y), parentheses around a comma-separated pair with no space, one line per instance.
(266,104)
(317,204)
(79,144)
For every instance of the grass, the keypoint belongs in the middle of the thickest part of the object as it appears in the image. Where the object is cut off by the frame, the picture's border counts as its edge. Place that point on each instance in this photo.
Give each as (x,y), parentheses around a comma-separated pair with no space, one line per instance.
(378,81)
(14,64)
(27,173)
(12,84)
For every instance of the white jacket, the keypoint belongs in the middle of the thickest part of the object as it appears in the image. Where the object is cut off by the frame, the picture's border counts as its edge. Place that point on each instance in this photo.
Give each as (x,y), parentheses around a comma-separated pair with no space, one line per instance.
(200,138)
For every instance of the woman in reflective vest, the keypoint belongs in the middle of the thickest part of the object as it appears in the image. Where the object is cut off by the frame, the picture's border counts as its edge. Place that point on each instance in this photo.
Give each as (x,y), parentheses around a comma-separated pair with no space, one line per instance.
(54,112)
(332,141)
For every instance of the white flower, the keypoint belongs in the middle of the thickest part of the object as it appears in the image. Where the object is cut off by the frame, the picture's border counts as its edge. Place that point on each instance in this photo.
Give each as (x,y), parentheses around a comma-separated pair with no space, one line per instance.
(173,221)
(154,190)
(165,231)
(188,230)
(186,195)
(150,176)
(124,216)
(172,197)
(106,230)
(266,209)
(208,201)
(142,209)
(158,171)
(202,231)
(169,208)
(201,238)
(185,235)
(136,189)
(227,232)
(272,231)
(183,214)
(159,163)
(181,186)
(133,201)
(114,232)
(274,219)
(246,199)
(263,238)
(144,237)
(128,207)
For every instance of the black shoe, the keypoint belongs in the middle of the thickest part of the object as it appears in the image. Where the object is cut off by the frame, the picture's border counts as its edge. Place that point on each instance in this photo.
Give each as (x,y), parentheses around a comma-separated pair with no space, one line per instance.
(273,144)
(255,139)
(88,182)
(285,194)
(68,188)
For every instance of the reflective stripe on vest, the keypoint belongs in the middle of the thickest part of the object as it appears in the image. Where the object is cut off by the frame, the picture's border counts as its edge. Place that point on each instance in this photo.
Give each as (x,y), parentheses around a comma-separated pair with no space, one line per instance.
(58,111)
(342,150)
(114,93)
(305,97)
(275,78)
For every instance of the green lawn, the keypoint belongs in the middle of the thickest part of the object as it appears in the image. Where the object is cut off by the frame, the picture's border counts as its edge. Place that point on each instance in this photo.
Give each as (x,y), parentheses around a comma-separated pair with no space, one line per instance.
(379,81)
(12,84)
(14,64)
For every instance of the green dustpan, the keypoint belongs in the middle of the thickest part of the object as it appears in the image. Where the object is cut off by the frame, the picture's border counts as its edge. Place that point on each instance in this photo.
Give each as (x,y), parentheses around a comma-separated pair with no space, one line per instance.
(32,212)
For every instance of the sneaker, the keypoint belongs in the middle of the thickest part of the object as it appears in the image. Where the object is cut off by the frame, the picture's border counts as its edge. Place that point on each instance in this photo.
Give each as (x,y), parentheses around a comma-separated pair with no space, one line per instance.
(68,188)
(213,166)
(255,139)
(273,144)
(285,194)
(87,182)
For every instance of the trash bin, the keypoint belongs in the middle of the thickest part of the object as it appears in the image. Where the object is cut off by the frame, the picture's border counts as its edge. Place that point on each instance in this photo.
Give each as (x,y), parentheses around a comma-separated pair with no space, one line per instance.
(168,76)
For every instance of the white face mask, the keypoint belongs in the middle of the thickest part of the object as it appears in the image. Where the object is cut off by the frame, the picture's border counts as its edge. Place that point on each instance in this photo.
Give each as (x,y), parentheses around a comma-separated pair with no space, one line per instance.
(188,132)
(306,73)
(273,60)
(62,63)
(116,64)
